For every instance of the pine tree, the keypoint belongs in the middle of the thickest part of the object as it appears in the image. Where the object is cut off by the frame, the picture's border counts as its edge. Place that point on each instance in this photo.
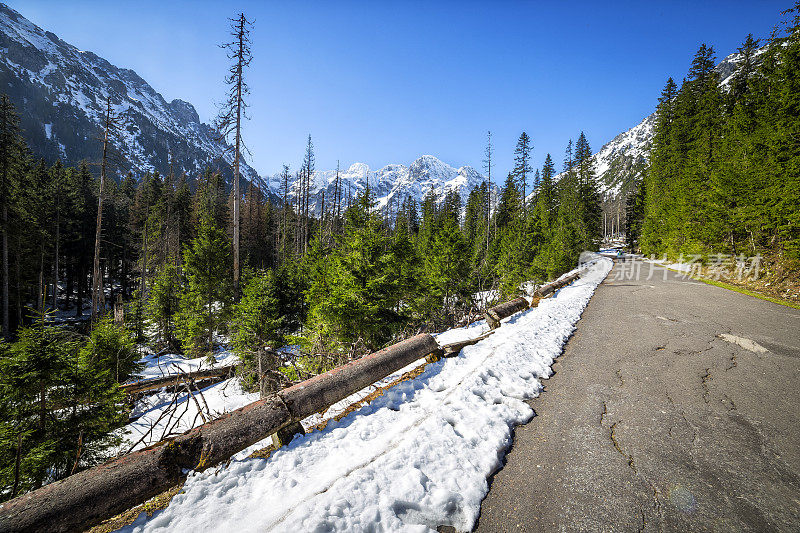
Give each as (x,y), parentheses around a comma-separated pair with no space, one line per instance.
(111,349)
(745,69)
(487,165)
(58,180)
(112,122)
(508,209)
(661,176)
(544,216)
(308,172)
(446,269)
(787,210)
(590,209)
(353,298)
(58,408)
(33,374)
(205,297)
(634,215)
(522,165)
(162,304)
(258,325)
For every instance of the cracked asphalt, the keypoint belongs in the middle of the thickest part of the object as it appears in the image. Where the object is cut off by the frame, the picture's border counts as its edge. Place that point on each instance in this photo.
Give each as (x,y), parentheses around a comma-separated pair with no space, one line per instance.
(674,407)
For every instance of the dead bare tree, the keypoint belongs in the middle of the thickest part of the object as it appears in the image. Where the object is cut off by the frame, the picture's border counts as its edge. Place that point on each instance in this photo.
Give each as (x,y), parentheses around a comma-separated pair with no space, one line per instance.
(112,123)
(285,194)
(308,168)
(229,120)
(338,206)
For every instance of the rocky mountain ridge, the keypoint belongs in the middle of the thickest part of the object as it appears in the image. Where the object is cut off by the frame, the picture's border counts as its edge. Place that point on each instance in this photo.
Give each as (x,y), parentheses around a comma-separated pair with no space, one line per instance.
(60,93)
(391,184)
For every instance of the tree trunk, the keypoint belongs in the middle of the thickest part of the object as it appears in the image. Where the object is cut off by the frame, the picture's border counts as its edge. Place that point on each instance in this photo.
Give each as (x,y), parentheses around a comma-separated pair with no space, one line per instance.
(55,258)
(90,496)
(98,300)
(6,325)
(18,288)
(239,66)
(16,466)
(42,297)
(70,284)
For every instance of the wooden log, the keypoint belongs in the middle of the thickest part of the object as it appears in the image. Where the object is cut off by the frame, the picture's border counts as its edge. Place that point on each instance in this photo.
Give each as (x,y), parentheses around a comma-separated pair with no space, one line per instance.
(157,383)
(89,497)
(501,311)
(549,288)
(322,391)
(452,349)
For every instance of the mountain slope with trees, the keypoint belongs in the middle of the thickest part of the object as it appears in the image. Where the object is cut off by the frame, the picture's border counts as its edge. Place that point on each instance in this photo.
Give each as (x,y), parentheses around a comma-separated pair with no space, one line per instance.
(622,162)
(724,174)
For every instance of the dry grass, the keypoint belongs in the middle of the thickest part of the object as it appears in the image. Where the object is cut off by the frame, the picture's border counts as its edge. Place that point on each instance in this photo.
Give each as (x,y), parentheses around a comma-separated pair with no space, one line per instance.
(126,518)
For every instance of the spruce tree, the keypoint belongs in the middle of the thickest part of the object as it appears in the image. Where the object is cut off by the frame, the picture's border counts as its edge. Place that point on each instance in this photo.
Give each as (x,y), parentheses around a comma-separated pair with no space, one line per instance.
(522,164)
(206,295)
(353,298)
(162,305)
(258,325)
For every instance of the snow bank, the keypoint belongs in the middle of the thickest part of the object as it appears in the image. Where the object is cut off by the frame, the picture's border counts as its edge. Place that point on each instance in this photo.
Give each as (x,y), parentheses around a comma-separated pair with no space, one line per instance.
(415,458)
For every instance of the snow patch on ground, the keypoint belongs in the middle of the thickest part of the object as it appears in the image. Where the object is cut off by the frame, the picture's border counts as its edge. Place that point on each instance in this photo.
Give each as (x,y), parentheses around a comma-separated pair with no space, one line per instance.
(157,366)
(415,458)
(471,331)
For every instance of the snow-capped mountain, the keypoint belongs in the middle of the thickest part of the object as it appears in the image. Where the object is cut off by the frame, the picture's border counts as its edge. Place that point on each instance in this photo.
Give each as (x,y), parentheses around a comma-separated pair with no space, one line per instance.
(619,164)
(60,93)
(391,184)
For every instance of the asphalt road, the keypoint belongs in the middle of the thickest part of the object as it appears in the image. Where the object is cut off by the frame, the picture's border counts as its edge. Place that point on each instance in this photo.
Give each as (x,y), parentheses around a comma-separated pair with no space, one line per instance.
(675,407)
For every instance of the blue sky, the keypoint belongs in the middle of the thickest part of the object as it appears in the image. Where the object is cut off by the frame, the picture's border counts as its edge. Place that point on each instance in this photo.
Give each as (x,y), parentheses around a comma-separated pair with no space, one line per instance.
(384,82)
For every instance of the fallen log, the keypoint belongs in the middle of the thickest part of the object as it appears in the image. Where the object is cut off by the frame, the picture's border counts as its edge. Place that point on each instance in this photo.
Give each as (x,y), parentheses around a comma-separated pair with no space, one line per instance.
(501,311)
(176,379)
(90,496)
(452,349)
(322,391)
(549,288)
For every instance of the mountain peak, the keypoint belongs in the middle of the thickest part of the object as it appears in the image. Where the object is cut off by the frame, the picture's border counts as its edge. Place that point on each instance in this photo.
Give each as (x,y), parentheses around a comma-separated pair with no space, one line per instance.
(391,184)
(184,111)
(360,169)
(430,167)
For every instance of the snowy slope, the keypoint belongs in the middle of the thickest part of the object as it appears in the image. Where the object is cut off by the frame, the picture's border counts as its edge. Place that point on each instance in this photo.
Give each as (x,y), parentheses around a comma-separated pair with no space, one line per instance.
(391,184)
(417,457)
(60,93)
